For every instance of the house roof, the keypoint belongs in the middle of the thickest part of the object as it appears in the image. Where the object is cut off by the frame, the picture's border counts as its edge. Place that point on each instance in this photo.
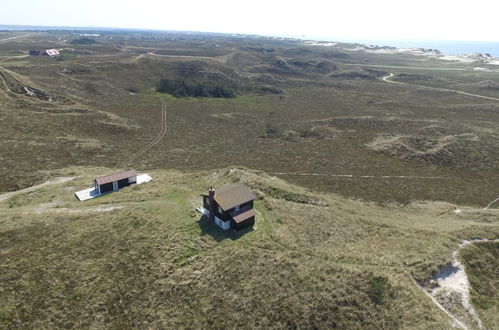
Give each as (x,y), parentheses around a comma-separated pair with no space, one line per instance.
(232,195)
(115,177)
(243,216)
(52,52)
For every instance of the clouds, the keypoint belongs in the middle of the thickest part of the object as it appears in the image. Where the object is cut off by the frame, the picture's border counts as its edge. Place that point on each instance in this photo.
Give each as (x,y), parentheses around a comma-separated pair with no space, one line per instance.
(354,19)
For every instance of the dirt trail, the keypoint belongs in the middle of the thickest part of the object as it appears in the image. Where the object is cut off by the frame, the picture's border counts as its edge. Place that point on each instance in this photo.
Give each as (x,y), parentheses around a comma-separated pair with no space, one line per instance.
(491,203)
(360,176)
(161,134)
(11,38)
(180,56)
(411,67)
(47,183)
(386,79)
(455,320)
(453,280)
(38,209)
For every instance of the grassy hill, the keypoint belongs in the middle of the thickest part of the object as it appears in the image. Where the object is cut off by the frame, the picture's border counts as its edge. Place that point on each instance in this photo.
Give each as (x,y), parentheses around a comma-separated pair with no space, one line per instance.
(369,168)
(482,270)
(142,257)
(299,109)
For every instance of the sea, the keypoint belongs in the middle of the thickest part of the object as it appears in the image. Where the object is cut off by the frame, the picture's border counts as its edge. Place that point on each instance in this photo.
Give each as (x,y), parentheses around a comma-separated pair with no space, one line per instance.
(446,47)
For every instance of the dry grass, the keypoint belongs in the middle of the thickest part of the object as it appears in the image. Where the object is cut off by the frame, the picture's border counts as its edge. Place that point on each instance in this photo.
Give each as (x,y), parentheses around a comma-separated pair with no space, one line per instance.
(323,262)
(482,269)
(314,259)
(322,124)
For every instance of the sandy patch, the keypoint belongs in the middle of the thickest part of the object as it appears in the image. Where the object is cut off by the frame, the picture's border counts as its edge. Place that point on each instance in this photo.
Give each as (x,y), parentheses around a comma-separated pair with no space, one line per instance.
(453,284)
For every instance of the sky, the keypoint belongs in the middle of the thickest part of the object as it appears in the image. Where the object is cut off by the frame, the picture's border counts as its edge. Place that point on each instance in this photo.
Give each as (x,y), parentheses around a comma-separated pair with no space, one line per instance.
(342,20)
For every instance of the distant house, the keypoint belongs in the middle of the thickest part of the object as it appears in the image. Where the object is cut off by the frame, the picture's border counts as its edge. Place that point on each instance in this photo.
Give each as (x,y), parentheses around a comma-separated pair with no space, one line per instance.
(109,183)
(230,207)
(115,181)
(48,52)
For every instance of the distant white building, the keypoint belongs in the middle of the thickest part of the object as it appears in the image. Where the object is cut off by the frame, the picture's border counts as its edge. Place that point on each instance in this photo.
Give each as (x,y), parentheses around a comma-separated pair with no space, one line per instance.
(48,52)
(51,52)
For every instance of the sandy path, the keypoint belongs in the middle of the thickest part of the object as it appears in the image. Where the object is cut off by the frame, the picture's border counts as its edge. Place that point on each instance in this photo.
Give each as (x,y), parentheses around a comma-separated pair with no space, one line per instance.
(219,59)
(47,183)
(8,58)
(386,79)
(161,134)
(360,176)
(11,38)
(411,67)
(180,56)
(455,320)
(44,209)
(453,280)
(491,203)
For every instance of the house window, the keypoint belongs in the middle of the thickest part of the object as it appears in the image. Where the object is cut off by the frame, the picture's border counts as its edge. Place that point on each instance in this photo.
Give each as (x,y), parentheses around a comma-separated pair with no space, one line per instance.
(220,210)
(236,208)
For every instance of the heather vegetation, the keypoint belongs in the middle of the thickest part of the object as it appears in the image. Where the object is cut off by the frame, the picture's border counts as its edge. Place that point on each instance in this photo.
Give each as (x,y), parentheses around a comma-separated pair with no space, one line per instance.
(192,88)
(83,41)
(366,183)
(150,259)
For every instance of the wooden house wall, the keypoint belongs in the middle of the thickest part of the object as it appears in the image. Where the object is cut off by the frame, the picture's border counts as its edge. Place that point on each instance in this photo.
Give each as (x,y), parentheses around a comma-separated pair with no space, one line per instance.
(242,225)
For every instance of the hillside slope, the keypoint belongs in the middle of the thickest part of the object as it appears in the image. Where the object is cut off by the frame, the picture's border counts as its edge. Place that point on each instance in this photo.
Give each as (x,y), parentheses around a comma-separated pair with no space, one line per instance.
(143,258)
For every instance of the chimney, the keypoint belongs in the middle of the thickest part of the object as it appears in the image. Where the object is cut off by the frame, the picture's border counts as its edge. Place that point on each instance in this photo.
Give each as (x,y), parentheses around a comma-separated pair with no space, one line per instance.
(211,198)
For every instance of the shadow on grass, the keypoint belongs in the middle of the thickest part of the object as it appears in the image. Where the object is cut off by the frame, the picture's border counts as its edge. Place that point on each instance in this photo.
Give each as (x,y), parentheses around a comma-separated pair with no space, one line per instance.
(217,233)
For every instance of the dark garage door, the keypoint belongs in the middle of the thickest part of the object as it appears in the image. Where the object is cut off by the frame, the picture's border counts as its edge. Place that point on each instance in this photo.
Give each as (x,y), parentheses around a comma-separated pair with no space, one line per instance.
(123,183)
(106,187)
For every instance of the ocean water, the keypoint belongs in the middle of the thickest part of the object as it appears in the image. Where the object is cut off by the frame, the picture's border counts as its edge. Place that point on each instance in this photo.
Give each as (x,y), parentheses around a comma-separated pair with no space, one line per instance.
(455,47)
(446,47)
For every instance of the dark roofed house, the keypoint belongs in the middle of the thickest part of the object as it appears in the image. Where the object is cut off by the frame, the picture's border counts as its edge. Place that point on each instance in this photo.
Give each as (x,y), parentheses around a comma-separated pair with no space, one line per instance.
(109,183)
(230,207)
(115,181)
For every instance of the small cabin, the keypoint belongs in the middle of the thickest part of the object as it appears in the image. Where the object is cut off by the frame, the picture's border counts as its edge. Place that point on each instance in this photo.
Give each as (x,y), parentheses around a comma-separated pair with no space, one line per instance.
(48,52)
(115,181)
(230,207)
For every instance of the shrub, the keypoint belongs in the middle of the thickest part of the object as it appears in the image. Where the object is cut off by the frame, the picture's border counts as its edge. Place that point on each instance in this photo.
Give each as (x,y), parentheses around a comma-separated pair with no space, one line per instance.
(83,41)
(380,289)
(287,195)
(198,88)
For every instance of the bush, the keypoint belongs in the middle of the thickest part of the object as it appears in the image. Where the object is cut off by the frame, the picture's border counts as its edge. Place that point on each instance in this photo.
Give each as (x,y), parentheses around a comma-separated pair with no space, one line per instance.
(287,195)
(186,88)
(309,133)
(262,90)
(83,41)
(380,289)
